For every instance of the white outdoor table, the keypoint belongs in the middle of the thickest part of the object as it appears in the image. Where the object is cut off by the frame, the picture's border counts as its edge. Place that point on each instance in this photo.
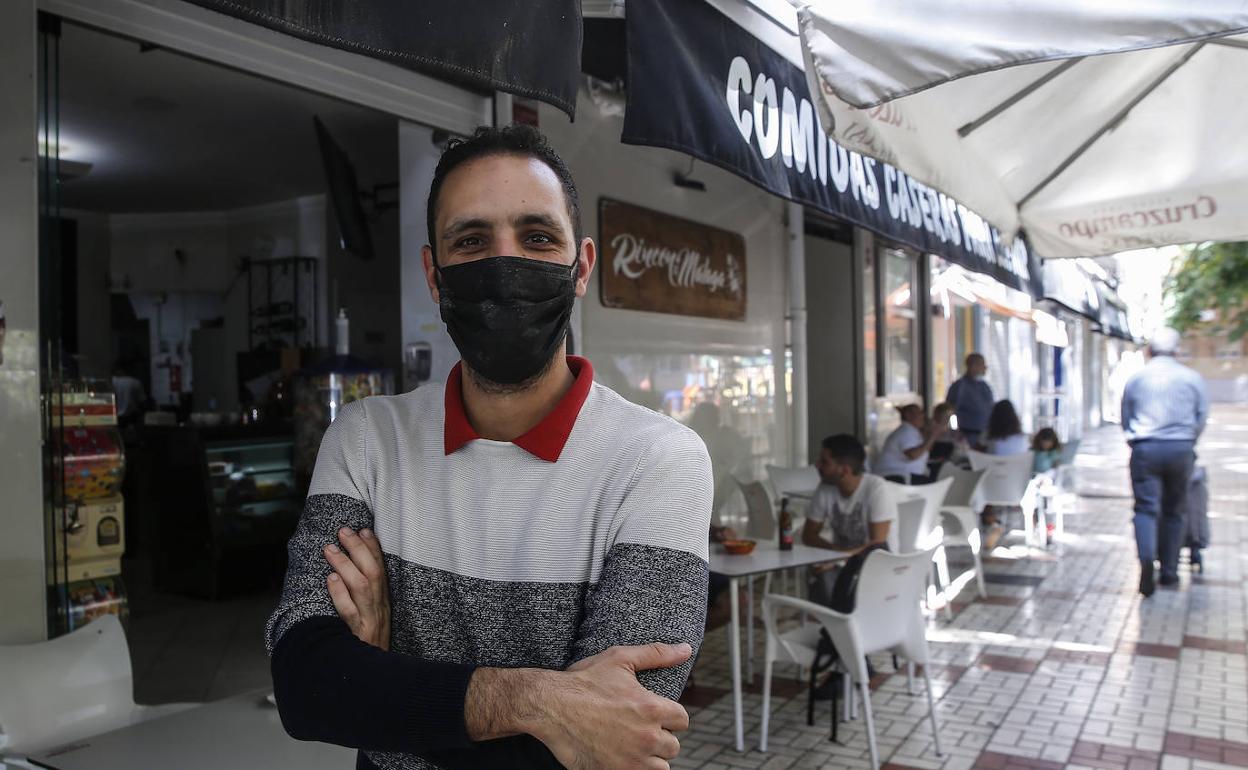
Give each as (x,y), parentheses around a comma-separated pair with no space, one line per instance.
(240,732)
(766,557)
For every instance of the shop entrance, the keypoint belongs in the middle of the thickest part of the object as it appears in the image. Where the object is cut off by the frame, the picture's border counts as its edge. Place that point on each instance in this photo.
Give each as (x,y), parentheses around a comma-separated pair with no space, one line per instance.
(834,329)
(205,226)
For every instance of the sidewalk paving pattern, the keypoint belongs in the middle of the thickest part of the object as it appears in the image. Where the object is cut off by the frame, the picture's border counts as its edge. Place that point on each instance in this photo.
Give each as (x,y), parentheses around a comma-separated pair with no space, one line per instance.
(1062,666)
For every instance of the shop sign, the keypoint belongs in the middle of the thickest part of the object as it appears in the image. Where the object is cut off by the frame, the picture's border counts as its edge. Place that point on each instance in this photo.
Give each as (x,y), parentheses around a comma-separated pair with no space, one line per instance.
(702,85)
(665,264)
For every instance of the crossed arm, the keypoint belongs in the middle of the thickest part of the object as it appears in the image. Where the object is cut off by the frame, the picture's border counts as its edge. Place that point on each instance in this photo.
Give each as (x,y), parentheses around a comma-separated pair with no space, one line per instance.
(594,714)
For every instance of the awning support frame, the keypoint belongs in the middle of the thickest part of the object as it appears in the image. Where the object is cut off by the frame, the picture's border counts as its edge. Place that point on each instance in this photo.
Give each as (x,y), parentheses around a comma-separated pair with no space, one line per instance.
(1017,96)
(1112,123)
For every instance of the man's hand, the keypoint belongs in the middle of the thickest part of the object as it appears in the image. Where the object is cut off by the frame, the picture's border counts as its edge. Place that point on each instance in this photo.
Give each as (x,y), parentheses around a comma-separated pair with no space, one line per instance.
(606,719)
(358,586)
(594,716)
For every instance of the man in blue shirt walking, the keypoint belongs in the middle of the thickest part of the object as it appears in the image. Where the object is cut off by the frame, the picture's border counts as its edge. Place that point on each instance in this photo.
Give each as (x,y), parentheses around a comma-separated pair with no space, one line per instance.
(972,399)
(1164,409)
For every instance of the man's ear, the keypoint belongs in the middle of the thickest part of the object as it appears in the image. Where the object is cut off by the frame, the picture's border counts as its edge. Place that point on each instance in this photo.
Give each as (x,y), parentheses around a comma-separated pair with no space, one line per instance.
(426,258)
(587,257)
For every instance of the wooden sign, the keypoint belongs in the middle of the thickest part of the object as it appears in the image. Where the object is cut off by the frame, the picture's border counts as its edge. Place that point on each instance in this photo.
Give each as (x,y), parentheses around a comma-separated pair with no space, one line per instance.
(665,264)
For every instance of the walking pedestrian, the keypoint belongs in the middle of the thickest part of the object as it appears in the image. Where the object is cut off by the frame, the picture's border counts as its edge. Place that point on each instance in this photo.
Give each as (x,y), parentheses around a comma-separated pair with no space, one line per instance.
(1164,410)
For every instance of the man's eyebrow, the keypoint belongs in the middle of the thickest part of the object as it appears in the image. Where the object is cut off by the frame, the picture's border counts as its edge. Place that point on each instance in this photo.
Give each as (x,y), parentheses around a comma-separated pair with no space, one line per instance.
(462,225)
(545,220)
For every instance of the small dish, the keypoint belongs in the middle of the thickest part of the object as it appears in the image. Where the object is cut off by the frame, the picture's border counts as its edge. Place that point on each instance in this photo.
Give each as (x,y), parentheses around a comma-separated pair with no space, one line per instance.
(739,547)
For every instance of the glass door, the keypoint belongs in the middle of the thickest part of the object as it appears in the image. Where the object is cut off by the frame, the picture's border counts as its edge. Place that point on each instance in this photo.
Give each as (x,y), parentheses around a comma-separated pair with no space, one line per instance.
(52,275)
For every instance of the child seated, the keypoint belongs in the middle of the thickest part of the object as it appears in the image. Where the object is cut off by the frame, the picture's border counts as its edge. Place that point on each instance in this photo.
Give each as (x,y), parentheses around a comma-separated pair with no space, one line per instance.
(1047,449)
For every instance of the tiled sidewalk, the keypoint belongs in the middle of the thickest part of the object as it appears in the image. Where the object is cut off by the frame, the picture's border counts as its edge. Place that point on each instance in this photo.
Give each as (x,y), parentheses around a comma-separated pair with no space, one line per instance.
(1062,666)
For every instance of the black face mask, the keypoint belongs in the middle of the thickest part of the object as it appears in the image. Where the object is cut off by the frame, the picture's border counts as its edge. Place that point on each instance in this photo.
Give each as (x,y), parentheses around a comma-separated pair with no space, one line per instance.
(507,315)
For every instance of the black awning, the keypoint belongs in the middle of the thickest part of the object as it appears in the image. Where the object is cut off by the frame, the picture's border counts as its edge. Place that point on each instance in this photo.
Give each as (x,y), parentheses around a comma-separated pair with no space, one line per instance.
(529,49)
(1114,321)
(1066,284)
(700,84)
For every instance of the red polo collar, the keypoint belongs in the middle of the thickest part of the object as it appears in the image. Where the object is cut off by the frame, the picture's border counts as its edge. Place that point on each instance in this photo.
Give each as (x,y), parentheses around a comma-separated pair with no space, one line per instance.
(546,439)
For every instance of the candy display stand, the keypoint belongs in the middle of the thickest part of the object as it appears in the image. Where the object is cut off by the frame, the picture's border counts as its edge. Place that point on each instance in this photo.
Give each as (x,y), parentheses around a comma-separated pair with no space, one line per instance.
(88,466)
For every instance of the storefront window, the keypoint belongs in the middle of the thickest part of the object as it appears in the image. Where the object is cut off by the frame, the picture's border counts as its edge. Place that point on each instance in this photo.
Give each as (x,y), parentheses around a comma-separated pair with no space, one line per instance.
(900,321)
(729,400)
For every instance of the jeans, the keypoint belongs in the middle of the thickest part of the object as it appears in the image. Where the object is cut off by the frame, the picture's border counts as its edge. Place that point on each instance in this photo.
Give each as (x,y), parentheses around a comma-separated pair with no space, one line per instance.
(1160,471)
(819,586)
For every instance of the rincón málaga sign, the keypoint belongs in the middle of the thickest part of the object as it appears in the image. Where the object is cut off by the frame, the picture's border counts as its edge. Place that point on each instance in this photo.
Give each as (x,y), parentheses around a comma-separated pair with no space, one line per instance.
(665,264)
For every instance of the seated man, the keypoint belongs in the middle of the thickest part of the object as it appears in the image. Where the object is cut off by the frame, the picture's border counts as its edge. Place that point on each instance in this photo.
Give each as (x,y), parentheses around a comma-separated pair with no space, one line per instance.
(511,570)
(906,450)
(851,509)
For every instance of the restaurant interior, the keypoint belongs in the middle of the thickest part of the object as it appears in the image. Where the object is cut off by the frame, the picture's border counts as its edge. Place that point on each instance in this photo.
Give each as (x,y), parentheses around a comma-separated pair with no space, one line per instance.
(230,244)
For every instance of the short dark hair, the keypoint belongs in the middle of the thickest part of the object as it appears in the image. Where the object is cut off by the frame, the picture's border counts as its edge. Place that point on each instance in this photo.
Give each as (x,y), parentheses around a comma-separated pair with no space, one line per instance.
(910,408)
(1046,434)
(973,358)
(520,140)
(847,449)
(1003,420)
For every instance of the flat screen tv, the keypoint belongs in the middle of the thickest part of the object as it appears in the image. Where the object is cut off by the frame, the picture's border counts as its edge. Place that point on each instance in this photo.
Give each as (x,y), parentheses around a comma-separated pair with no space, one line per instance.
(344,195)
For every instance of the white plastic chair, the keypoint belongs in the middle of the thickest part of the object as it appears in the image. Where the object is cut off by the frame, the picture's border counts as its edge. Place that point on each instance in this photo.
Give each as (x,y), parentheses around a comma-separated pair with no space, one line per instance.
(789,481)
(758,508)
(886,618)
(1056,497)
(762,525)
(800,485)
(69,688)
(1008,482)
(960,515)
(918,526)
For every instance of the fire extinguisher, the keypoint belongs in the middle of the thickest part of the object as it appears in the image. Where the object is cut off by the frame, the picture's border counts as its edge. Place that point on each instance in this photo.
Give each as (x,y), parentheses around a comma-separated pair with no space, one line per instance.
(175,376)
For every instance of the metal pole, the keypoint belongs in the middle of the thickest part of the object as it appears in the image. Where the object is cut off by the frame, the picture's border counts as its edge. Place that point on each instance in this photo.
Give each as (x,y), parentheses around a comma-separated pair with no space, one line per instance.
(795,217)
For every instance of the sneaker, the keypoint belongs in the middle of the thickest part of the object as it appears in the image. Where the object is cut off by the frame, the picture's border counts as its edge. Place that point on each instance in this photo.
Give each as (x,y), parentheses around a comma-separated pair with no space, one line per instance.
(1147,586)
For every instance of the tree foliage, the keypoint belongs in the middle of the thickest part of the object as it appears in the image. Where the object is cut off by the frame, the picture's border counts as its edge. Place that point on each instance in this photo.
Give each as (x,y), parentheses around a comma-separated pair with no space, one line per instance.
(1211,277)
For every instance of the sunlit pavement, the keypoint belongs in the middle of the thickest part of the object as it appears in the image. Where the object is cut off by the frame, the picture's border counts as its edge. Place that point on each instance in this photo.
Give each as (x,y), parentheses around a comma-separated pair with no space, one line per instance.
(1063,665)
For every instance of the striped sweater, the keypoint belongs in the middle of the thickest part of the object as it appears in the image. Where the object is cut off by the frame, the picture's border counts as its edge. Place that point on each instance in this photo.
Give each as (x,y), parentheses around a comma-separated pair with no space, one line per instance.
(590,531)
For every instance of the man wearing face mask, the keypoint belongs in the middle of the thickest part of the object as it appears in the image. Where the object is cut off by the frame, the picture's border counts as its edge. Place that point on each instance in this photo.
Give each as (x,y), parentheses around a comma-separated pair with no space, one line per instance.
(511,570)
(972,399)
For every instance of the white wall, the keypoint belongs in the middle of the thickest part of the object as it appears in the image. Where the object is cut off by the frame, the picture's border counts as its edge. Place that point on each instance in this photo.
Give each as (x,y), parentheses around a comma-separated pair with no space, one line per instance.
(144,247)
(172,316)
(22,592)
(144,264)
(420,319)
(603,167)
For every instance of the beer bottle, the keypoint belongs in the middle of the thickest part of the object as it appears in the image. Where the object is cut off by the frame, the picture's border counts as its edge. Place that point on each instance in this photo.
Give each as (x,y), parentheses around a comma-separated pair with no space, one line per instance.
(786,526)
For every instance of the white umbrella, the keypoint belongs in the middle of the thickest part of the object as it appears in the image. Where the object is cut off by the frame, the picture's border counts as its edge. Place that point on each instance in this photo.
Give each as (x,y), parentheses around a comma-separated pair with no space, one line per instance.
(1095,126)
